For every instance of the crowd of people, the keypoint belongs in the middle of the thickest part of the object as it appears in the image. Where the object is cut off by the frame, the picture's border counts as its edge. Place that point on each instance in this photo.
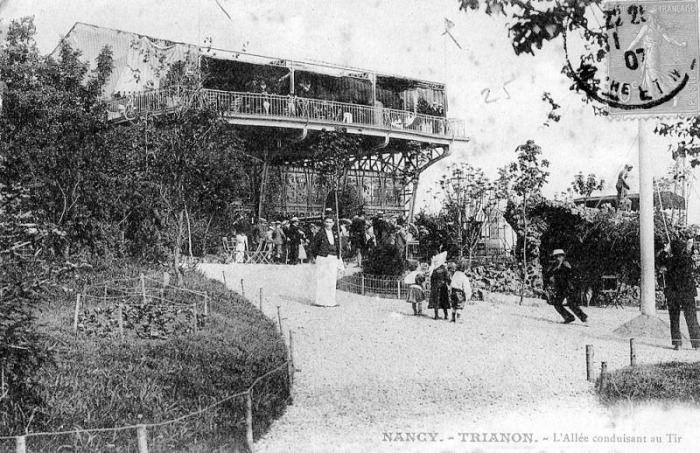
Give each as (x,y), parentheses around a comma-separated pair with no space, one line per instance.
(293,242)
(289,241)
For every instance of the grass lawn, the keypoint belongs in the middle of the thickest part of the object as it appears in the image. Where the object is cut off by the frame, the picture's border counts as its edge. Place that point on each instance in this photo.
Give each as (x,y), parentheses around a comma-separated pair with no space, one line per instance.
(666,382)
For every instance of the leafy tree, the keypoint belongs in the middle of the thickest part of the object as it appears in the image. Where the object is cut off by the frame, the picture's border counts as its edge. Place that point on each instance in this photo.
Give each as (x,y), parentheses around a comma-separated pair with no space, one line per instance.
(350,201)
(469,199)
(189,162)
(332,155)
(436,234)
(520,181)
(51,127)
(585,186)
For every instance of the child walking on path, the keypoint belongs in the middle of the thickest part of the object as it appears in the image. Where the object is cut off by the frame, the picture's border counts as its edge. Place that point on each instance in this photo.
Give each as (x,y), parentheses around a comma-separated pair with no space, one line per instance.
(461,290)
(416,294)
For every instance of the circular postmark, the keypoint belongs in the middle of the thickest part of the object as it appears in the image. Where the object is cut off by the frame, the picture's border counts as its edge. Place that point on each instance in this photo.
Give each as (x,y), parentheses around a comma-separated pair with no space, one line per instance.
(652,59)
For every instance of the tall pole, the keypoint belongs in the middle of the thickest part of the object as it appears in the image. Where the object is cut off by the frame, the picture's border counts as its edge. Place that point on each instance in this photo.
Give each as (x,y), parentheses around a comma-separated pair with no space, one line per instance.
(413,199)
(337,219)
(646,223)
(683,213)
(263,181)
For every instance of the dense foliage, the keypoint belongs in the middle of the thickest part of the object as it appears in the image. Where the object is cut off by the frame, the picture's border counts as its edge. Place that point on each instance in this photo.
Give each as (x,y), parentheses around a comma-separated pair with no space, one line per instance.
(385,259)
(77,192)
(143,188)
(597,241)
(435,235)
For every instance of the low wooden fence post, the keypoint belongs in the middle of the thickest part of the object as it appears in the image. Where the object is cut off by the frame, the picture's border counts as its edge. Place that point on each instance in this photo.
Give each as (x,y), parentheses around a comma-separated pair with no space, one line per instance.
(290,367)
(249,419)
(75,316)
(398,289)
(206,304)
(142,436)
(279,318)
(261,306)
(633,353)
(223,274)
(242,289)
(21,444)
(603,375)
(589,363)
(362,284)
(143,289)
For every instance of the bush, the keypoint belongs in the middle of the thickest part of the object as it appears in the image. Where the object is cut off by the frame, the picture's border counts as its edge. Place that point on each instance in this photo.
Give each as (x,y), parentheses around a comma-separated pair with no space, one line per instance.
(668,382)
(384,259)
(102,382)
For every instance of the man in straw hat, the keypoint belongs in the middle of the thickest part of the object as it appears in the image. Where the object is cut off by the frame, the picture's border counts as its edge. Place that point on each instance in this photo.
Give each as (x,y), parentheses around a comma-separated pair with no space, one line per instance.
(294,237)
(559,285)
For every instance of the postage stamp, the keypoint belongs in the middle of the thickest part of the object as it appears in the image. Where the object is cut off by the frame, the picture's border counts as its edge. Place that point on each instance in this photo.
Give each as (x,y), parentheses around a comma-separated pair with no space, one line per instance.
(653,58)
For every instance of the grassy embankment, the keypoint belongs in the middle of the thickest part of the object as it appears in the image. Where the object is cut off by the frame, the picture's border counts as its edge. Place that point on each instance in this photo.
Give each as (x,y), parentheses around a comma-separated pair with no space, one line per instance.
(673,382)
(100,381)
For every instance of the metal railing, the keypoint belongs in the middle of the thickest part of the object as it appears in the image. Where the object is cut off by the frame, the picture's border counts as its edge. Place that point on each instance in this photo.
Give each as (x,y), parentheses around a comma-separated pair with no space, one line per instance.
(236,104)
(386,286)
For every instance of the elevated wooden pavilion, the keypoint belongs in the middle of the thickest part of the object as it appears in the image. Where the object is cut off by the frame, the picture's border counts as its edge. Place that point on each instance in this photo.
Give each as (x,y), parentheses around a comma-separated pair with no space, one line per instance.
(403,122)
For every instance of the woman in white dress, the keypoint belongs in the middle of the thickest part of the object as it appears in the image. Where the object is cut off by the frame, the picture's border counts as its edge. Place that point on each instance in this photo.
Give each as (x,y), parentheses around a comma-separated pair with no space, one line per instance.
(325,246)
(241,247)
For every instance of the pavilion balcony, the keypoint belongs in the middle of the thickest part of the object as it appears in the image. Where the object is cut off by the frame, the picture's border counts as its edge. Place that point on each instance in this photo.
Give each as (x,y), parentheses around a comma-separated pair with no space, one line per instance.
(262,109)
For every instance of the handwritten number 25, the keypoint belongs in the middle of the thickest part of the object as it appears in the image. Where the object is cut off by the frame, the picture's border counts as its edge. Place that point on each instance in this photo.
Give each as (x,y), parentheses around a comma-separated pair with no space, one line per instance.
(637,13)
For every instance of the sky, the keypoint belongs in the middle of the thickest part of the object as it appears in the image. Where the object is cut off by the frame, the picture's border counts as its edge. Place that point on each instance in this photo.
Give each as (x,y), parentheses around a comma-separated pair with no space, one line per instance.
(497,93)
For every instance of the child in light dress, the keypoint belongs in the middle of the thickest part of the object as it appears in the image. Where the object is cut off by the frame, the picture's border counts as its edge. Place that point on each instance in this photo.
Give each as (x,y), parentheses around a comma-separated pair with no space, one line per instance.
(416,294)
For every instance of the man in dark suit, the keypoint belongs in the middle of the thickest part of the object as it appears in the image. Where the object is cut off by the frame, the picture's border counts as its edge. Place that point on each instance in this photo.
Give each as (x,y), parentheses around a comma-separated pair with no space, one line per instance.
(559,285)
(294,238)
(678,266)
(358,238)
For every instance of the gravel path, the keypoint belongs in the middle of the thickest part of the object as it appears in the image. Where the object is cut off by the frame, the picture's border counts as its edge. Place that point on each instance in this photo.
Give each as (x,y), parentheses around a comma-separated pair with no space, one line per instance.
(370,372)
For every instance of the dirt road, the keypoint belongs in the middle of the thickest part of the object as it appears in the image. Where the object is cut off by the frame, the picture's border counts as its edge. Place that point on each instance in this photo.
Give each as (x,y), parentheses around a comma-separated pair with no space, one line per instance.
(375,378)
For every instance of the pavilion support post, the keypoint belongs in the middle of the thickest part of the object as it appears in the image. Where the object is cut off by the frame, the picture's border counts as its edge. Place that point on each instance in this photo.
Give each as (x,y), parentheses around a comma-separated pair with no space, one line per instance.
(414,195)
(291,81)
(263,183)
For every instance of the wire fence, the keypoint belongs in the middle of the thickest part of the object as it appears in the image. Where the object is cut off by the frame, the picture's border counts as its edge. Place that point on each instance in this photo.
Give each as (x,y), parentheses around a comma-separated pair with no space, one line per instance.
(386,286)
(160,436)
(144,435)
(115,306)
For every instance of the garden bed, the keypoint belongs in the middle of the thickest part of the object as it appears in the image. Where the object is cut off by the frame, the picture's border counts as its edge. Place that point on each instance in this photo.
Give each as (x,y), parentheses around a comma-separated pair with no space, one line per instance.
(158,374)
